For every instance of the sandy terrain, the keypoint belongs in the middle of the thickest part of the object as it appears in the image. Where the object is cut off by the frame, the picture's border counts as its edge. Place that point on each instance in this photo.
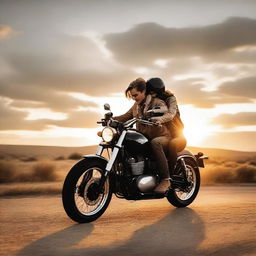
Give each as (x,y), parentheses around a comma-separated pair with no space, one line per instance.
(222,221)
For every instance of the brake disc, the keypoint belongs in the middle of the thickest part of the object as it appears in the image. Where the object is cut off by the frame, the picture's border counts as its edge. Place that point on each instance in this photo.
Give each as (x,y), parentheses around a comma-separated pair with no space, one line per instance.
(91,194)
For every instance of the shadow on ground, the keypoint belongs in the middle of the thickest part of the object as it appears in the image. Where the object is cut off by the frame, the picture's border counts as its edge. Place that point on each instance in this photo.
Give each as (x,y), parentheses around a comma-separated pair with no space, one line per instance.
(181,231)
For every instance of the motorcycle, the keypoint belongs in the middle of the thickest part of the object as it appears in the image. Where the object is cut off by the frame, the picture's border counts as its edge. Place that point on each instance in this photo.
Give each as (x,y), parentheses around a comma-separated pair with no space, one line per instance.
(130,172)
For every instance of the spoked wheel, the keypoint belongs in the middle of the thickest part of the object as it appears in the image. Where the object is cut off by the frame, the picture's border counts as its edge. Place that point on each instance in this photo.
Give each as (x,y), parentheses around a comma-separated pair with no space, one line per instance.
(82,199)
(183,196)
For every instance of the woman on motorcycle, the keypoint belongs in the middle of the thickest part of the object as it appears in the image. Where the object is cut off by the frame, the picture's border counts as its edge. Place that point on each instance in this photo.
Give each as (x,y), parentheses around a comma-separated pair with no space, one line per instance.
(159,135)
(156,88)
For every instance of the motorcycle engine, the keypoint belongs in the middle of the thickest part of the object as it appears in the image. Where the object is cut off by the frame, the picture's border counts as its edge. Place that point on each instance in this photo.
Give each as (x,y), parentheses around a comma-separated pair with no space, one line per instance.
(146,183)
(136,165)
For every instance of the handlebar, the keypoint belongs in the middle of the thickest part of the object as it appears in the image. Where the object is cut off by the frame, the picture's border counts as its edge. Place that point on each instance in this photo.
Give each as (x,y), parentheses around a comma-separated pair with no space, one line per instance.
(131,122)
(108,119)
(147,122)
(128,123)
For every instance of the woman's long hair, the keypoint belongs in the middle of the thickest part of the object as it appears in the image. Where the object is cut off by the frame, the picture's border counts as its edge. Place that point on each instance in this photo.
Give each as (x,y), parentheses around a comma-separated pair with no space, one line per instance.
(165,95)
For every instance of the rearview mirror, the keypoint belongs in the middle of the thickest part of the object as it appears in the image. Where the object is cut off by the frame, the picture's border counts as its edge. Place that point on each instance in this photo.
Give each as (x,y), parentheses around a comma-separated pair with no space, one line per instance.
(106,106)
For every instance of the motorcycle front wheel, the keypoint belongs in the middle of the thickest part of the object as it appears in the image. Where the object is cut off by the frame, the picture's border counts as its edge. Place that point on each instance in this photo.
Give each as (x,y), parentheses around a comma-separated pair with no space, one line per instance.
(182,197)
(81,197)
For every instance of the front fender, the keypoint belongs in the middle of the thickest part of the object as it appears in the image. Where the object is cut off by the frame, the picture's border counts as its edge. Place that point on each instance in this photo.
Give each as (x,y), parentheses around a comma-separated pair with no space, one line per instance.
(96,157)
(105,161)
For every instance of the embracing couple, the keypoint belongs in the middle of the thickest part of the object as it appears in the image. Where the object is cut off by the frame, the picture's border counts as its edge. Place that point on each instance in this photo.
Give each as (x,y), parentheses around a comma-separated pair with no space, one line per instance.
(167,138)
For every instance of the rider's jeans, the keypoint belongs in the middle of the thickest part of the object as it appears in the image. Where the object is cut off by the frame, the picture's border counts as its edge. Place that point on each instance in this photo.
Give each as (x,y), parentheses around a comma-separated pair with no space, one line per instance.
(159,146)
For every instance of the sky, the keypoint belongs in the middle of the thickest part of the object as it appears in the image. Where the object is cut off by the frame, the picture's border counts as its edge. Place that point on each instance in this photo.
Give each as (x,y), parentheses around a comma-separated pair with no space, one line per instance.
(60,61)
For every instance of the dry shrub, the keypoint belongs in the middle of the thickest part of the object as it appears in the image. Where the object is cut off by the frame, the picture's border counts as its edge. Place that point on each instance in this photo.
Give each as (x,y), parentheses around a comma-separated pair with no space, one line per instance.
(246,173)
(29,159)
(40,172)
(44,171)
(7,171)
(230,172)
(231,164)
(216,174)
(60,158)
(75,156)
(214,160)
(252,162)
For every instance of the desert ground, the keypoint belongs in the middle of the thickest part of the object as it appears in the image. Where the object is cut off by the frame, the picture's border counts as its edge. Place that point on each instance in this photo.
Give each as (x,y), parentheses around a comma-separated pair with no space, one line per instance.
(221,221)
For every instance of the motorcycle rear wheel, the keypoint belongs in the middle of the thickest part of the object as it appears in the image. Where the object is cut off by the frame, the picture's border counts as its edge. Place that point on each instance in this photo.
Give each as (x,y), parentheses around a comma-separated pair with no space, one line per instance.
(80,195)
(180,198)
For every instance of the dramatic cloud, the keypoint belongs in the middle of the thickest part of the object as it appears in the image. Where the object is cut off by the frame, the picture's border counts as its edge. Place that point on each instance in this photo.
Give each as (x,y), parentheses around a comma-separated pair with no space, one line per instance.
(79,119)
(245,87)
(14,119)
(77,63)
(69,64)
(55,101)
(190,91)
(40,97)
(233,120)
(150,41)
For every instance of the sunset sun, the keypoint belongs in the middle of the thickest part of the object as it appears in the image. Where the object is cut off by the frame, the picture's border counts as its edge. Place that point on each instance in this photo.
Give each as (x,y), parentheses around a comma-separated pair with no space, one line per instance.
(196,127)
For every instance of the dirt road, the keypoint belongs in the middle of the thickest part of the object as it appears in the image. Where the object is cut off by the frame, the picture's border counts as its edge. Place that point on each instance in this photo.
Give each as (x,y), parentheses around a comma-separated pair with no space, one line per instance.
(221,221)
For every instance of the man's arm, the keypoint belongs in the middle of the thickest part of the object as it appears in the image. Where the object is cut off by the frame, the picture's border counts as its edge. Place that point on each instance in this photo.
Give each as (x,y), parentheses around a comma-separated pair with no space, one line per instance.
(125,117)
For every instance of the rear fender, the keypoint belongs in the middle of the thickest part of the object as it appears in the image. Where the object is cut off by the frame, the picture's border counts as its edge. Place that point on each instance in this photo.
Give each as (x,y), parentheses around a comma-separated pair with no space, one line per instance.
(199,158)
(186,154)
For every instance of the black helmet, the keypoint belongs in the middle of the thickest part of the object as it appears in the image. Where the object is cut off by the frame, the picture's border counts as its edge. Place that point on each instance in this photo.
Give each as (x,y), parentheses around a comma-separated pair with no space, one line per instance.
(155,85)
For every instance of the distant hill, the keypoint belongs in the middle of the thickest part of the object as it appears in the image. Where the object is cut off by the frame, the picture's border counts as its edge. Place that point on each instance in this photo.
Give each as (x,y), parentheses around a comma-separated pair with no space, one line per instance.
(224,153)
(19,151)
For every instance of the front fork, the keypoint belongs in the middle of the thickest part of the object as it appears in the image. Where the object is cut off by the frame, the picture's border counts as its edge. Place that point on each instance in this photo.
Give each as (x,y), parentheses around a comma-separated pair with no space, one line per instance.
(111,160)
(184,167)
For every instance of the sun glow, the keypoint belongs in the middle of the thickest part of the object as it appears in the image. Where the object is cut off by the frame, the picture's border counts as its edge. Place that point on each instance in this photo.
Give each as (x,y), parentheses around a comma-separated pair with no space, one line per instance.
(195,133)
(196,125)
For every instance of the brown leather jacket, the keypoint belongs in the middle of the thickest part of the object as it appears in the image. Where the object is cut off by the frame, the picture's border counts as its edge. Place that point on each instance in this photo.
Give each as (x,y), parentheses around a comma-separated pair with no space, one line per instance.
(172,117)
(140,111)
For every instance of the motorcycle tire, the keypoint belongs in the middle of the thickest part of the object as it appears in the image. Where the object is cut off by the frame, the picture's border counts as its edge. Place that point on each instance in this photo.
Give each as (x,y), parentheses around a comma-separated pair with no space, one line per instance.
(179,198)
(81,200)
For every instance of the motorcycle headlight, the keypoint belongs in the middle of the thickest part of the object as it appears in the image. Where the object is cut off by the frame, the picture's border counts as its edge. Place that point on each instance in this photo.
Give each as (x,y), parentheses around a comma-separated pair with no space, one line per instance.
(108,134)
